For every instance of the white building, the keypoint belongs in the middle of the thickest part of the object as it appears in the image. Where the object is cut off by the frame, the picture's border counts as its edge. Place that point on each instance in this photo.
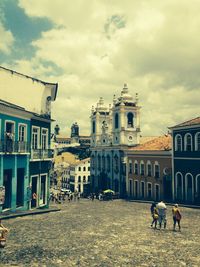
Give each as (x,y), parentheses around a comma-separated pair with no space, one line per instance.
(80,176)
(113,130)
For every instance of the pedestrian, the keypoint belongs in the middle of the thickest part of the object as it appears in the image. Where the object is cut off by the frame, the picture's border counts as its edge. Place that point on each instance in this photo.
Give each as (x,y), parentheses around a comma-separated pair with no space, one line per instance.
(79,196)
(154,214)
(162,210)
(176,217)
(3,230)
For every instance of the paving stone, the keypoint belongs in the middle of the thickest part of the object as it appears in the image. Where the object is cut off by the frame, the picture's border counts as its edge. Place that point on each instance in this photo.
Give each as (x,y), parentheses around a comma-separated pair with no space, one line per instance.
(101,234)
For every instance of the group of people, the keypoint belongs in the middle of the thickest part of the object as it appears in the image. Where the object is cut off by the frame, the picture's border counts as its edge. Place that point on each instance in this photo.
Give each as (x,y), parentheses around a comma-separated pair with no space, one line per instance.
(159,212)
(60,197)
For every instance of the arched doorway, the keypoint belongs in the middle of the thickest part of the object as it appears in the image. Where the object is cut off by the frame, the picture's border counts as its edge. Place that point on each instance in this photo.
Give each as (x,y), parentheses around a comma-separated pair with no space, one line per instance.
(189,192)
(197,194)
(179,186)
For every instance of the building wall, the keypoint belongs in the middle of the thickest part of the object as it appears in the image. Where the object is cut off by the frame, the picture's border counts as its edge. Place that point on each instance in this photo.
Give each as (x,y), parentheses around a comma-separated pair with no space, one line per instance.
(186,168)
(13,86)
(139,185)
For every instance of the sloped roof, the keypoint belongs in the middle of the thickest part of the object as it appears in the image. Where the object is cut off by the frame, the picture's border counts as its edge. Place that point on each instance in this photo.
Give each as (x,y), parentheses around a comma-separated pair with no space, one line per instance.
(156,144)
(191,122)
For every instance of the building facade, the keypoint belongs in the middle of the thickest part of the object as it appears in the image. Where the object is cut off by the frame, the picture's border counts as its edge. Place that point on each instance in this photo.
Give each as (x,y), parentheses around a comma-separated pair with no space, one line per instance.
(113,130)
(148,170)
(80,177)
(25,158)
(186,161)
(14,156)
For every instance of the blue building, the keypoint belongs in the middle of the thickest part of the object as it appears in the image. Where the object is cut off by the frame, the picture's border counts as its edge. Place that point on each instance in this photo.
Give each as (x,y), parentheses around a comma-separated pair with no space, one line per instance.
(14,156)
(25,155)
(186,161)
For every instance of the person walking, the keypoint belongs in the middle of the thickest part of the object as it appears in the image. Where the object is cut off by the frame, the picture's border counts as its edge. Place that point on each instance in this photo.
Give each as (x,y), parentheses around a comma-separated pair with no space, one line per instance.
(154,214)
(162,210)
(176,217)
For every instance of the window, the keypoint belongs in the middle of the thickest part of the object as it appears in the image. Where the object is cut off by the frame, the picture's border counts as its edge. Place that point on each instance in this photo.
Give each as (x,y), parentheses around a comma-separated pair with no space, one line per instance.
(130,166)
(149,190)
(93,127)
(84,179)
(116,163)
(35,138)
(136,167)
(103,162)
(44,139)
(188,142)
(108,163)
(84,169)
(22,133)
(79,168)
(156,170)
(149,169)
(99,162)
(197,141)
(79,179)
(116,121)
(130,120)
(178,142)
(88,168)
(88,178)
(142,190)
(142,168)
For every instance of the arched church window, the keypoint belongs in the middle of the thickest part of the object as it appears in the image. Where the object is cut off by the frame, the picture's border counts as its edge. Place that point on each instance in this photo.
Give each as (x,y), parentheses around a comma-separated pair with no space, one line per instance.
(93,127)
(116,121)
(130,120)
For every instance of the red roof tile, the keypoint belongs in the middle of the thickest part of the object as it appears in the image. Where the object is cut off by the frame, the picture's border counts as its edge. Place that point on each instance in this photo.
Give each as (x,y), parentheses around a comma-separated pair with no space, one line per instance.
(158,143)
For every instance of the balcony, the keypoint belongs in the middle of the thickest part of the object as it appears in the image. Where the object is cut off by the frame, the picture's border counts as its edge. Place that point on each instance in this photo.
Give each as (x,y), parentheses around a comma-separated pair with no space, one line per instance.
(41,154)
(10,146)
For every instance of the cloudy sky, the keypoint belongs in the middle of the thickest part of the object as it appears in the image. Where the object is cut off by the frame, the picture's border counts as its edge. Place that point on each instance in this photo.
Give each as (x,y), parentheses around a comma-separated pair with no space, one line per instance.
(92,47)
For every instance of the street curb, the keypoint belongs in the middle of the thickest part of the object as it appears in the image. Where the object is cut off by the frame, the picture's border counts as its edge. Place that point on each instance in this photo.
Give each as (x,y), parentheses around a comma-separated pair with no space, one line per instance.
(34,212)
(167,203)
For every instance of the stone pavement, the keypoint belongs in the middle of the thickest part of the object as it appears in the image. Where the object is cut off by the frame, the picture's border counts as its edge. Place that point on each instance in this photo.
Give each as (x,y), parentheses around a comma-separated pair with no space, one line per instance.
(104,234)
(22,213)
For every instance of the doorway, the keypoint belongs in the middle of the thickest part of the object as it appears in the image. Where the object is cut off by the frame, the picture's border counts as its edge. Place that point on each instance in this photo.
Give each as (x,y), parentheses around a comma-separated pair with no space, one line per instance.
(7,183)
(20,187)
(34,191)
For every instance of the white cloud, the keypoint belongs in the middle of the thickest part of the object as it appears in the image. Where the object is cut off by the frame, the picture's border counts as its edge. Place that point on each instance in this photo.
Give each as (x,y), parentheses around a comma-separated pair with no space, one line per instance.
(99,45)
(7,40)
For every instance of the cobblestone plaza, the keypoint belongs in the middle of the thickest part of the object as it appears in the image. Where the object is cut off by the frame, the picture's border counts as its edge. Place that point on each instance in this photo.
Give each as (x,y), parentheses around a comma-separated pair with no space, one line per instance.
(114,234)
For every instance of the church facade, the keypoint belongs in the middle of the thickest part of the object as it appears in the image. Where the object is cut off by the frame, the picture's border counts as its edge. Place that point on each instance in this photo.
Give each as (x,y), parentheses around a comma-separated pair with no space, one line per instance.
(113,130)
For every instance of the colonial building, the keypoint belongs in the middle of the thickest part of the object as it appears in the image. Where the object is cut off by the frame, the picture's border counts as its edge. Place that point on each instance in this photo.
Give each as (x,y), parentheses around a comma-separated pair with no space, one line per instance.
(186,161)
(148,170)
(15,127)
(113,130)
(25,139)
(80,176)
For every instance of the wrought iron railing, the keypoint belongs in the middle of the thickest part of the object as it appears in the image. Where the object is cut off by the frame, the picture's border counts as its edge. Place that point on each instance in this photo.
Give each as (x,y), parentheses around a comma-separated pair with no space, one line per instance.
(10,146)
(41,153)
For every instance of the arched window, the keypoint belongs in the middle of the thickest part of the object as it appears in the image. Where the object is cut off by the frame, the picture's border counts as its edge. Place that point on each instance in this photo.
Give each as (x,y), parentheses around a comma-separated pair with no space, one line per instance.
(136,167)
(79,168)
(130,120)
(149,169)
(108,163)
(93,127)
(188,142)
(116,121)
(99,162)
(189,187)
(79,179)
(179,186)
(84,179)
(178,142)
(197,141)
(130,166)
(142,167)
(84,169)
(156,170)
